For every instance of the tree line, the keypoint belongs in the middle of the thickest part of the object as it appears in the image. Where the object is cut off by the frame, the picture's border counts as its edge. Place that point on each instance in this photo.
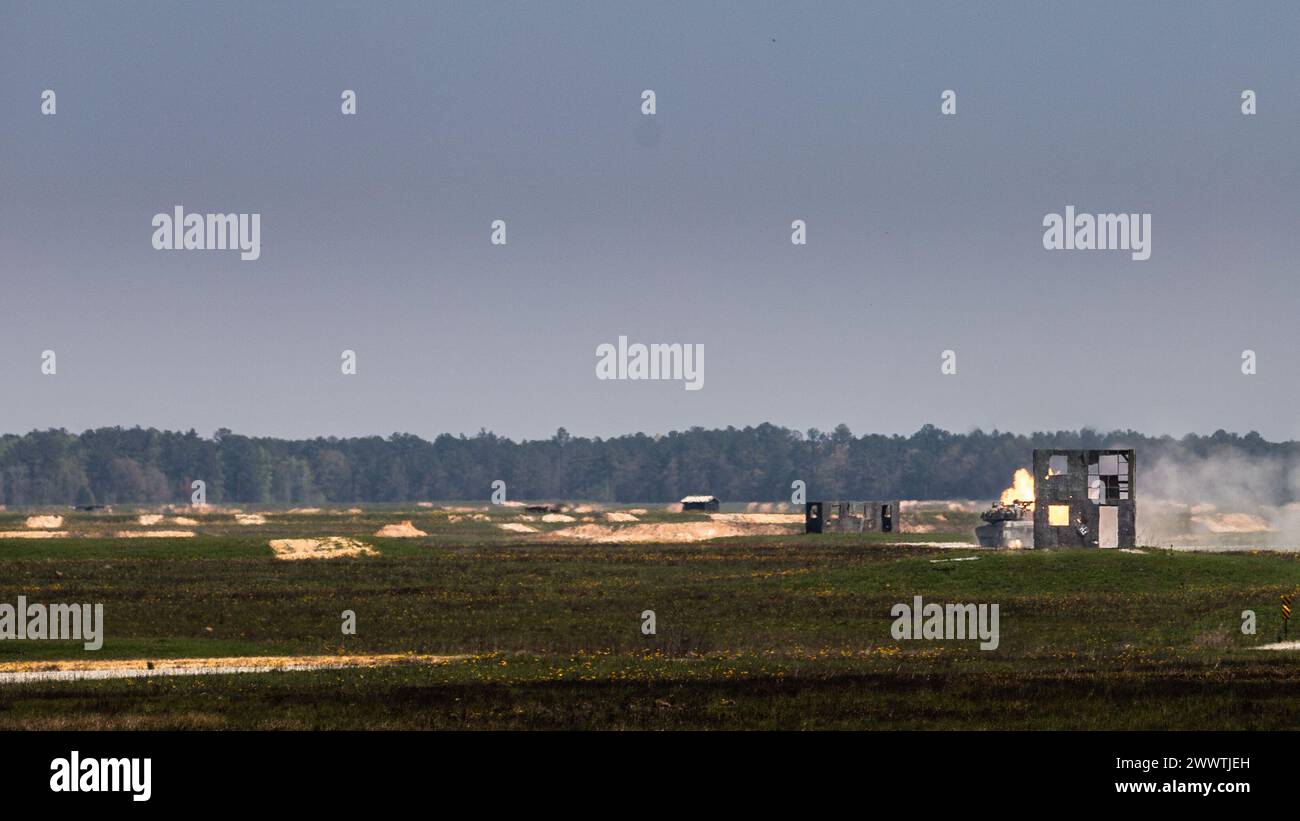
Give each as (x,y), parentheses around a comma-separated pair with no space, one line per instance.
(137,465)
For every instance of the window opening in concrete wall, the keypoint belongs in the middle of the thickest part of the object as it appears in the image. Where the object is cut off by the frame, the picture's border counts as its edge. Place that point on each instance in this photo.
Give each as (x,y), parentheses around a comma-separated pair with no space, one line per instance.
(1058,515)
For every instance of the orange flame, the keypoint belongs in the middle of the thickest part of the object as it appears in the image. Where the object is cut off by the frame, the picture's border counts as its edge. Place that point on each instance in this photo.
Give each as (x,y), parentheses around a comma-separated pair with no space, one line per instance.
(1021,490)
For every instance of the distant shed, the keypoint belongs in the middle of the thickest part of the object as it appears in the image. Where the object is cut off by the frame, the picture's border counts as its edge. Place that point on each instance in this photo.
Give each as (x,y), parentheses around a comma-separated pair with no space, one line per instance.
(700,503)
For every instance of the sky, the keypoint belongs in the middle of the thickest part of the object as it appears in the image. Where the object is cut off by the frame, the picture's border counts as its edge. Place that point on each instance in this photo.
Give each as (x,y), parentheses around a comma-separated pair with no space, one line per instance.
(924,231)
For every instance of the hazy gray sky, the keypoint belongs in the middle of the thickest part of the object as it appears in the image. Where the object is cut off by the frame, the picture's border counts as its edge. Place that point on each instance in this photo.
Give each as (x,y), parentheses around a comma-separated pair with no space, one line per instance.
(924,231)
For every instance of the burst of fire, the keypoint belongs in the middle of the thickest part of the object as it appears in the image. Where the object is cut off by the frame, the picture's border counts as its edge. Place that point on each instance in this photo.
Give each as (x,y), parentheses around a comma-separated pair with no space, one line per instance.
(1021,490)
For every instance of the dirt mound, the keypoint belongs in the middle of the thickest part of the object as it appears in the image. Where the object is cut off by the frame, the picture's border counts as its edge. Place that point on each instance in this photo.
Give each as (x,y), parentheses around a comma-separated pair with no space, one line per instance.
(1230,523)
(403,530)
(250,518)
(1279,645)
(516,527)
(49,522)
(328,547)
(759,518)
(155,534)
(78,669)
(304,511)
(668,532)
(558,517)
(616,516)
(944,505)
(182,520)
(148,519)
(33,534)
(204,509)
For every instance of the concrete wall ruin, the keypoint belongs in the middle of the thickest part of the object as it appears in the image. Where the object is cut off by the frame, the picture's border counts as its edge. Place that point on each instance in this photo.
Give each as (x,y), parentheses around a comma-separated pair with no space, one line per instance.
(851,517)
(1084,498)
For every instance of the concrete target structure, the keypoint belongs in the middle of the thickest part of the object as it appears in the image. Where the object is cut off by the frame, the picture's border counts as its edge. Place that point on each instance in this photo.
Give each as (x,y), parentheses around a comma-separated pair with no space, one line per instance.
(1085,498)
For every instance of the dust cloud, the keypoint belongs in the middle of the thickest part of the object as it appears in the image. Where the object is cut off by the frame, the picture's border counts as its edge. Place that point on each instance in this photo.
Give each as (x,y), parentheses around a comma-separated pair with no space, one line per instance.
(1227,498)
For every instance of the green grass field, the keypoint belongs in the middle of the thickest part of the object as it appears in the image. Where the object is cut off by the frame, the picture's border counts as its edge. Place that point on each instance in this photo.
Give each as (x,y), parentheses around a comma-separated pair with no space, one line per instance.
(752,632)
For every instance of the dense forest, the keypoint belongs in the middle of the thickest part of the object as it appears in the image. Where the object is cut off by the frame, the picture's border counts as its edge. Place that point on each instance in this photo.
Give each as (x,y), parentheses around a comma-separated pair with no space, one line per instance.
(116,465)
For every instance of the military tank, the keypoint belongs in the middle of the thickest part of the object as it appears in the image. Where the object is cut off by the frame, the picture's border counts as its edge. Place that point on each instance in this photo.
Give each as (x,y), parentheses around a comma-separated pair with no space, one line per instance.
(1007,526)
